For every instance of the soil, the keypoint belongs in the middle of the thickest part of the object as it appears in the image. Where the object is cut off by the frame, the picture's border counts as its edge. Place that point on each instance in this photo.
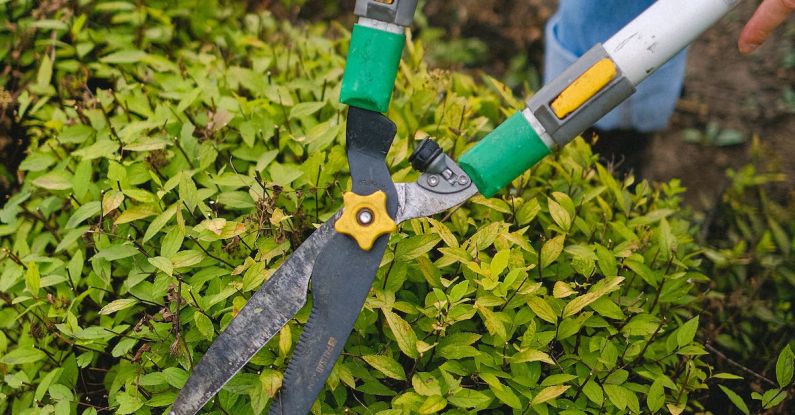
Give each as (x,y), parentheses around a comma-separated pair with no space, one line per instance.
(746,94)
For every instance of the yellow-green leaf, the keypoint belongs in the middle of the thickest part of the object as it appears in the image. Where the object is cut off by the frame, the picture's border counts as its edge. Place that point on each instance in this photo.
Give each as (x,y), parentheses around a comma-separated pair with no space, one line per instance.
(386,365)
(135,213)
(432,405)
(54,181)
(204,324)
(543,310)
(551,250)
(404,334)
(112,200)
(549,393)
(559,214)
(118,305)
(562,290)
(531,355)
(163,264)
(33,279)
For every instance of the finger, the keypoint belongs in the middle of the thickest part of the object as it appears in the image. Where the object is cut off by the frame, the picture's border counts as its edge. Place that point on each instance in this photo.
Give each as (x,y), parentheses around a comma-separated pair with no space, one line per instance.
(769,15)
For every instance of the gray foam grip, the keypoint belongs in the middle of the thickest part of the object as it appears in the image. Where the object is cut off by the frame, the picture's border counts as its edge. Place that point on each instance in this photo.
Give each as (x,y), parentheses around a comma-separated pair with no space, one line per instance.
(564,130)
(400,12)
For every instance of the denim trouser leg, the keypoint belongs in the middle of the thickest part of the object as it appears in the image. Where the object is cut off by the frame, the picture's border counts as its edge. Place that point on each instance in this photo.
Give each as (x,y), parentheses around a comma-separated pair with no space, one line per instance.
(580,24)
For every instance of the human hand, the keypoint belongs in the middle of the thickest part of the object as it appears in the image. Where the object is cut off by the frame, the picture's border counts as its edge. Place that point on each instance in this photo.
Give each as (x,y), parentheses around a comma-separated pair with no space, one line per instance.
(770,15)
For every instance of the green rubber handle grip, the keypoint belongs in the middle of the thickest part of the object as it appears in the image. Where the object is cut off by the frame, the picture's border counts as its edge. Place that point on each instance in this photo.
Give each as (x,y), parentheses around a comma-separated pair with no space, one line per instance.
(503,155)
(371,69)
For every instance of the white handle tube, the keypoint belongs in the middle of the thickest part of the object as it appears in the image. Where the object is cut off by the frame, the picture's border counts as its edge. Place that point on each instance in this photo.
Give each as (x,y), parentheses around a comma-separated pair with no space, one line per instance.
(660,32)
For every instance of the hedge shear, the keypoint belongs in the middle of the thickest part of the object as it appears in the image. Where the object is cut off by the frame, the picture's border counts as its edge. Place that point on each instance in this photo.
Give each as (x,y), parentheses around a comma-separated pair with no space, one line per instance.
(342,256)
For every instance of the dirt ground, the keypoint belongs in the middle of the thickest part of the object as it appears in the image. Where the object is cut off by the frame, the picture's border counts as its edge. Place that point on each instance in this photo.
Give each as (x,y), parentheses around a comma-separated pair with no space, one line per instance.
(750,94)
(725,93)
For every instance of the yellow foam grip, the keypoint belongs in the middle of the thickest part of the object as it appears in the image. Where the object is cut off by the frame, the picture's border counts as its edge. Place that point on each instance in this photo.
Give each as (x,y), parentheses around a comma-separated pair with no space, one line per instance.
(584,87)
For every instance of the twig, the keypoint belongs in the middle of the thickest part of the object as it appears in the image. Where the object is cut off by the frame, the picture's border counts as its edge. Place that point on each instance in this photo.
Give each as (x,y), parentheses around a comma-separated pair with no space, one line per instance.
(209,254)
(738,365)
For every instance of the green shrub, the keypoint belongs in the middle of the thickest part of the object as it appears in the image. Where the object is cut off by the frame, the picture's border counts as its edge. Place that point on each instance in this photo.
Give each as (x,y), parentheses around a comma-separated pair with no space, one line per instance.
(179,154)
(750,238)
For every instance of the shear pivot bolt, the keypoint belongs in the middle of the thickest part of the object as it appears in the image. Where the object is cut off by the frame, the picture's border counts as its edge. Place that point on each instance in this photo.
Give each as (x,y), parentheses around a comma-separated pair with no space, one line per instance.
(364,217)
(433,181)
(463,180)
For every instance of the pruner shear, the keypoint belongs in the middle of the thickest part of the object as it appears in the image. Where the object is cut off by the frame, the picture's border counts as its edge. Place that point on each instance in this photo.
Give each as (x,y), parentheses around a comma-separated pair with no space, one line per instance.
(342,256)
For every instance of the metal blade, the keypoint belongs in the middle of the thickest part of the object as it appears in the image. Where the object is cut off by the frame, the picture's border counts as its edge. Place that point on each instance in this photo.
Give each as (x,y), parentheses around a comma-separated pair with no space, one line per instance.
(417,202)
(268,310)
(340,283)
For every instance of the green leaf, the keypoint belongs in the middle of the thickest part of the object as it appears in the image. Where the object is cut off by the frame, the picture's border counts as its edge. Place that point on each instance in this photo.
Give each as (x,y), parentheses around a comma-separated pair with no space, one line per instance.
(608,308)
(655,399)
(21,356)
(784,367)
(100,149)
(549,393)
(412,247)
(558,379)
(404,334)
(432,405)
(499,263)
(491,319)
(578,303)
(284,174)
(118,305)
(305,109)
(61,393)
(667,240)
(124,346)
(728,376)
(204,324)
(551,250)
(593,392)
(736,399)
(616,395)
(54,181)
(686,333)
(33,279)
(606,260)
(160,221)
(531,355)
(111,201)
(163,264)
(559,214)
(171,242)
(641,325)
(386,365)
(76,134)
(128,404)
(175,376)
(542,309)
(469,398)
(37,162)
(135,213)
(124,56)
(187,258)
(160,400)
(773,397)
(44,76)
(503,393)
(82,213)
(116,252)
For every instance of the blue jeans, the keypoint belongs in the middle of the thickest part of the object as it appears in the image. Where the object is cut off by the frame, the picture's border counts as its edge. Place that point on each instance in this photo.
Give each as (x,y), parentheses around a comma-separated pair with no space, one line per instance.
(579,25)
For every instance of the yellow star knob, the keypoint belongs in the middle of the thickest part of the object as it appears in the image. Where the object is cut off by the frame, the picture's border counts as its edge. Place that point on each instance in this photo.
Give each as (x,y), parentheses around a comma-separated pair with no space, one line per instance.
(365,218)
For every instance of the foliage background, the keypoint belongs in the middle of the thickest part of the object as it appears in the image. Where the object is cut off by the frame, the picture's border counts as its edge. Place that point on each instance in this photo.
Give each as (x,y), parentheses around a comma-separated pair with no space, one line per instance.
(178,154)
